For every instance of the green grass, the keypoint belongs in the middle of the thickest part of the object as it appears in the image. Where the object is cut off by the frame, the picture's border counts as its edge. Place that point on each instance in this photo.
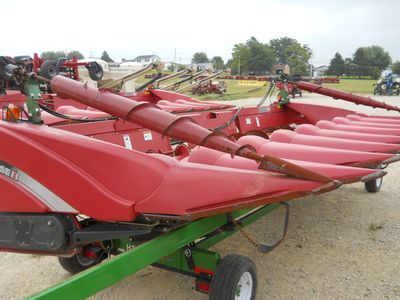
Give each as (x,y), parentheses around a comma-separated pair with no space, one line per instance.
(375,226)
(358,86)
(235,91)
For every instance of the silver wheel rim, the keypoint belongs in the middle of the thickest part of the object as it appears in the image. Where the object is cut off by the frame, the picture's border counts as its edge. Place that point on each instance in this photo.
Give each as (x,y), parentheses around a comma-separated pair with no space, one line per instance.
(379,182)
(84,261)
(244,287)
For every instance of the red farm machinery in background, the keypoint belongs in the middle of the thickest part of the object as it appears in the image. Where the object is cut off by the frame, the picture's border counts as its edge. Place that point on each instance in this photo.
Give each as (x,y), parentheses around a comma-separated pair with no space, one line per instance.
(49,68)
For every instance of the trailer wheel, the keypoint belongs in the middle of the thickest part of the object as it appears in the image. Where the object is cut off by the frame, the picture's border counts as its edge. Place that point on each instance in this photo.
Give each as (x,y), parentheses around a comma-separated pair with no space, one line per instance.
(80,262)
(373,186)
(49,69)
(2,87)
(4,62)
(235,278)
(95,71)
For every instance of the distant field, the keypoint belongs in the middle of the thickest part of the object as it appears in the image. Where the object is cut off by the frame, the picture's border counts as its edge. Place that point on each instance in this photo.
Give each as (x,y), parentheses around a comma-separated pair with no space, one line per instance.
(236,91)
(361,86)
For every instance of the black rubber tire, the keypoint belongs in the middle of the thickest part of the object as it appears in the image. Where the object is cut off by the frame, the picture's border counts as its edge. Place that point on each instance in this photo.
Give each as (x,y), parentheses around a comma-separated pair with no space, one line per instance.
(95,71)
(224,283)
(2,86)
(77,263)
(373,186)
(3,73)
(49,69)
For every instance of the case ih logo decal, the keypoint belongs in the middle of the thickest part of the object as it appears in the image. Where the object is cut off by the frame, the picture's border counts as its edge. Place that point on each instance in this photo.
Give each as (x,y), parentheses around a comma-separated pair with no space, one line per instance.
(9,171)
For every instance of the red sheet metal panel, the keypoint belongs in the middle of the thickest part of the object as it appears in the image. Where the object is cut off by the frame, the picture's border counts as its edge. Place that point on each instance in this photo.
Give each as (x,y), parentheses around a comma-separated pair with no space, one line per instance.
(346,121)
(314,113)
(288,136)
(212,157)
(314,130)
(357,128)
(313,153)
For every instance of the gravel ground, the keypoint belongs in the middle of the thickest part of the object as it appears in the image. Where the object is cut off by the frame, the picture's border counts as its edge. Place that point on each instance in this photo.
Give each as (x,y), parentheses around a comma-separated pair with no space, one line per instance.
(331,251)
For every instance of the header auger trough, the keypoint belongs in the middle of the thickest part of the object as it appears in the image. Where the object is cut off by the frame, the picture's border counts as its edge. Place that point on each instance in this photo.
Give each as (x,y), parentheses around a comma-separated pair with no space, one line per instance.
(88,174)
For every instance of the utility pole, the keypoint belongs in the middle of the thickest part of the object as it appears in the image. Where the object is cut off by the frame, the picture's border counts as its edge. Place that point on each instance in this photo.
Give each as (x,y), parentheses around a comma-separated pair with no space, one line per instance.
(239,66)
(175,66)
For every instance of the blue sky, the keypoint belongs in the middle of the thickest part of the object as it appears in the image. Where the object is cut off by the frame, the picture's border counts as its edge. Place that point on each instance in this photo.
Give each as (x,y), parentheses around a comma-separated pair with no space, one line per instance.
(130,28)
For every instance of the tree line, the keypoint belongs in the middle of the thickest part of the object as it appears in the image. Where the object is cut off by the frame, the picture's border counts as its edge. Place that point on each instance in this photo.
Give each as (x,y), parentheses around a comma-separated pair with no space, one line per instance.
(257,58)
(366,61)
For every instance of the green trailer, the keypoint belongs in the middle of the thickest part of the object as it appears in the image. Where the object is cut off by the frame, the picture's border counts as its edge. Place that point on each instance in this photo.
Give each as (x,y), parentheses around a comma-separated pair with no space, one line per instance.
(184,250)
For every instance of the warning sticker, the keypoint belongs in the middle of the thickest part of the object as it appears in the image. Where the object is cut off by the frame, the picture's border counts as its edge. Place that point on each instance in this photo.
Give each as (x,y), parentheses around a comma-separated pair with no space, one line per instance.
(263,109)
(248,121)
(127,141)
(147,136)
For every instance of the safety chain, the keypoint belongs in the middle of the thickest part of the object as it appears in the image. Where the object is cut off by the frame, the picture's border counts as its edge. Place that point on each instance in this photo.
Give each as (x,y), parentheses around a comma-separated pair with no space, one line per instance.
(244,233)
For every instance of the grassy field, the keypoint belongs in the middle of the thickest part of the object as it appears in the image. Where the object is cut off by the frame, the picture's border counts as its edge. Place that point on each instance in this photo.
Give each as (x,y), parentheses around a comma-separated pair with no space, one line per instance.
(237,91)
(359,86)
(234,91)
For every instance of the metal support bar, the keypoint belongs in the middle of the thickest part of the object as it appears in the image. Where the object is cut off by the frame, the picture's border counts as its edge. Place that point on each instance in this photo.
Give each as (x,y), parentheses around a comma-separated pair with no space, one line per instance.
(188,87)
(265,248)
(102,276)
(245,219)
(33,93)
(191,261)
(118,83)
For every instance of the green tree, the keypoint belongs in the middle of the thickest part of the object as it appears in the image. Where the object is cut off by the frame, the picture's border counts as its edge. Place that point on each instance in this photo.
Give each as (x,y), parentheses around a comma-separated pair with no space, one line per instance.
(179,67)
(106,57)
(280,47)
(396,67)
(349,67)
(239,64)
(379,57)
(199,58)
(217,63)
(370,61)
(75,53)
(171,68)
(362,62)
(337,65)
(252,57)
(46,55)
(290,51)
(261,57)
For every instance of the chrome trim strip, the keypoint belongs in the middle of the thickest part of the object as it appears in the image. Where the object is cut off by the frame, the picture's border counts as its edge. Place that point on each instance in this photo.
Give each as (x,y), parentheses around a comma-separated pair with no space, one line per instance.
(44,194)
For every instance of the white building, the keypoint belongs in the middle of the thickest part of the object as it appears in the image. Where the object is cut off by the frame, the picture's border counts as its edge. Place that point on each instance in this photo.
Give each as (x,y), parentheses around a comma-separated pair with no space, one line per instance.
(320,71)
(201,66)
(146,59)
